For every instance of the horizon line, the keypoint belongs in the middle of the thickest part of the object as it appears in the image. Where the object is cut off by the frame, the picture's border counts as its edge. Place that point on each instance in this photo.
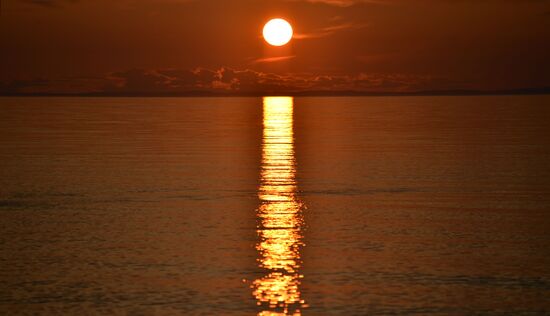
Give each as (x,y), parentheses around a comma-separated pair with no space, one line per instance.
(456,92)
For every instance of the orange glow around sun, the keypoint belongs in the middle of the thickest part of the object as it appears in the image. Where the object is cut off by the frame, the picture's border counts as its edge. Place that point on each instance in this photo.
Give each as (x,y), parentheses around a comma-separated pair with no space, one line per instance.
(277,32)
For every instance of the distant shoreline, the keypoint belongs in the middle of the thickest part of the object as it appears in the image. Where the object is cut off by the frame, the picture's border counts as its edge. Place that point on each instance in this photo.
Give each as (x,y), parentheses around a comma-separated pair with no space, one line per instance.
(533,91)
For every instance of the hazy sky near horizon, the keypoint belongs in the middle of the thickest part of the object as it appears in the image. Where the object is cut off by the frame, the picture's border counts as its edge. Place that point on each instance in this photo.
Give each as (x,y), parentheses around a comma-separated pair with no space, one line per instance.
(143,46)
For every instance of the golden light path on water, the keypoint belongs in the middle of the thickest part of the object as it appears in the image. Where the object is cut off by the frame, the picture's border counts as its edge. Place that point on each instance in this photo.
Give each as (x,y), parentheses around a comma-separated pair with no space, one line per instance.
(280,214)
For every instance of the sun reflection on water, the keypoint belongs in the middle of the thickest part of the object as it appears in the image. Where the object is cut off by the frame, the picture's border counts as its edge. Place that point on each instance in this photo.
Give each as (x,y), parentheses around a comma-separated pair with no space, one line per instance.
(280,214)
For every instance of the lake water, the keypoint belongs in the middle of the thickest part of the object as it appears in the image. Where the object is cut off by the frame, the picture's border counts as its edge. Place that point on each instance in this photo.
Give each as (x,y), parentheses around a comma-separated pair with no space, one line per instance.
(275,206)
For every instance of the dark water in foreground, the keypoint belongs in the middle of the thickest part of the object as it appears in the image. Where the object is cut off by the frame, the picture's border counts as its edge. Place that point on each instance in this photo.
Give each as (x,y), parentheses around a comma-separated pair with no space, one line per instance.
(244,206)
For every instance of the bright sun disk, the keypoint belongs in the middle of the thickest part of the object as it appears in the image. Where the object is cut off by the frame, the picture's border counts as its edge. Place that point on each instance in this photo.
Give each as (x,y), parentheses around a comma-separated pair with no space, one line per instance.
(277,32)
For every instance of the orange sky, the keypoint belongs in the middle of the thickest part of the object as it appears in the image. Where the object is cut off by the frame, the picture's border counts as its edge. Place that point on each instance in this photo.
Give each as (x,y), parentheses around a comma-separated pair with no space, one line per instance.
(180,46)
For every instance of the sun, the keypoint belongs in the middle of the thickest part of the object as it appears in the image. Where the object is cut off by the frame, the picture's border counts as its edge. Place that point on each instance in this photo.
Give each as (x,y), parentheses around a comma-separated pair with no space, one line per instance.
(277,32)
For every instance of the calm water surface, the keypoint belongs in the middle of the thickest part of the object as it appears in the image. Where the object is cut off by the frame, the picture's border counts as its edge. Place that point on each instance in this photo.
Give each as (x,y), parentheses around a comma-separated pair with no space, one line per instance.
(275,206)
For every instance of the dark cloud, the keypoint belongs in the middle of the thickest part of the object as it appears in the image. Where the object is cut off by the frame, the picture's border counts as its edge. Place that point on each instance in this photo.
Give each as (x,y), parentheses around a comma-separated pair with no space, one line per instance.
(225,81)
(197,80)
